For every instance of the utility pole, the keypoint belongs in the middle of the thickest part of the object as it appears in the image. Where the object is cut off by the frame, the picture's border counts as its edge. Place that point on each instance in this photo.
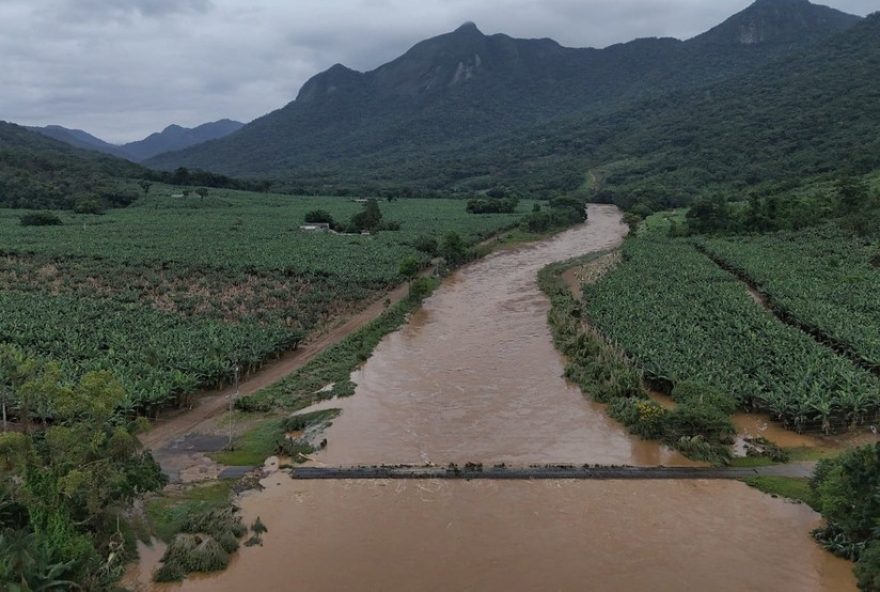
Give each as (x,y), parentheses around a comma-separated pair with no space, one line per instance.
(233,396)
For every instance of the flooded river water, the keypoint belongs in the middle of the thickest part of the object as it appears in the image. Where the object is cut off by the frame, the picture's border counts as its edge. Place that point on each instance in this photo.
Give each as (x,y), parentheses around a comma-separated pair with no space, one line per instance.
(475,377)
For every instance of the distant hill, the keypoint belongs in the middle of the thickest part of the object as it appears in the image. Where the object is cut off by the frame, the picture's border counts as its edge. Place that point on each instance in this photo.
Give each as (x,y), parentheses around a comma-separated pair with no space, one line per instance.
(37,172)
(451,112)
(80,139)
(173,137)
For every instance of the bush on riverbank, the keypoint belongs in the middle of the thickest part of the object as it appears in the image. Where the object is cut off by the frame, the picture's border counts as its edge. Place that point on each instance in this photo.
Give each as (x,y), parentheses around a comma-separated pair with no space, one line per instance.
(67,488)
(868,568)
(847,489)
(204,544)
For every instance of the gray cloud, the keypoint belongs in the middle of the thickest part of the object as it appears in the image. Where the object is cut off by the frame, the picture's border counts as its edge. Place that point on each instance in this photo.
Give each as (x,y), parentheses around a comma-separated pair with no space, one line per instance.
(124,68)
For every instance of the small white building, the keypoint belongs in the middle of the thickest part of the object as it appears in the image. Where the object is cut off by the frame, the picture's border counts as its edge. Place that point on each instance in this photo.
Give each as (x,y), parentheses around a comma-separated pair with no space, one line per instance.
(315,227)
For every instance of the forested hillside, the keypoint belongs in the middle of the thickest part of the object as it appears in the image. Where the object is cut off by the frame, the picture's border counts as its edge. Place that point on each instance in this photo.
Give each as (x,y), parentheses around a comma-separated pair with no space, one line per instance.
(37,172)
(467,111)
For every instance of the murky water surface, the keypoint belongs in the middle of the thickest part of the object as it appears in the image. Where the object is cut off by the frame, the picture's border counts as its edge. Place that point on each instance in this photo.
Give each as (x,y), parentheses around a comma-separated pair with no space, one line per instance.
(475,377)
(516,536)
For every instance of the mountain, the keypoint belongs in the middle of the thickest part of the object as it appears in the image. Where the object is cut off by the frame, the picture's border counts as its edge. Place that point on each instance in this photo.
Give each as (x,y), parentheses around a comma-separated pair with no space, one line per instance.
(778,21)
(173,137)
(812,114)
(80,139)
(37,171)
(458,93)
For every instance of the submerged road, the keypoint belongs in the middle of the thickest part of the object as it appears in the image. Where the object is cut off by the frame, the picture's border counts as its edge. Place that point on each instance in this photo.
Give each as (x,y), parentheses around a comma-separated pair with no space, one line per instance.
(554,472)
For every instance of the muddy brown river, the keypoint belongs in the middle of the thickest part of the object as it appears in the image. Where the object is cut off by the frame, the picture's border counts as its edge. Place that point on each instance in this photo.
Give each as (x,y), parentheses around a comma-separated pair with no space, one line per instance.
(475,377)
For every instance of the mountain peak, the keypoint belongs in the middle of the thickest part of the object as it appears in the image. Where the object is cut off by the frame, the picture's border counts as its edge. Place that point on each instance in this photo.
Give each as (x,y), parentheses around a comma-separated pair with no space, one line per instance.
(468,27)
(779,22)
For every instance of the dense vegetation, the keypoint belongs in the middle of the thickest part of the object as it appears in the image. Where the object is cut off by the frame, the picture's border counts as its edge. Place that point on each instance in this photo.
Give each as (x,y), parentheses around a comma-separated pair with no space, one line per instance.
(66,488)
(847,490)
(172,293)
(39,172)
(682,318)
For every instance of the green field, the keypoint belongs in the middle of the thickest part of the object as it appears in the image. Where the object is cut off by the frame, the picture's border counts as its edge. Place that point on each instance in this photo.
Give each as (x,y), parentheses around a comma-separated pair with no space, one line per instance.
(170,293)
(682,318)
(824,278)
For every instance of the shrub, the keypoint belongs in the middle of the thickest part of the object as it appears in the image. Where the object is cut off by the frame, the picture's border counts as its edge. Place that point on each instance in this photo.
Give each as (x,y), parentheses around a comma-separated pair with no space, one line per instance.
(251,404)
(762,447)
(846,488)
(298,423)
(319,217)
(651,418)
(296,449)
(868,569)
(427,245)
(624,410)
(492,206)
(421,288)
(694,393)
(643,417)
(40,219)
(698,448)
(632,220)
(88,205)
(687,421)
(189,553)
(223,525)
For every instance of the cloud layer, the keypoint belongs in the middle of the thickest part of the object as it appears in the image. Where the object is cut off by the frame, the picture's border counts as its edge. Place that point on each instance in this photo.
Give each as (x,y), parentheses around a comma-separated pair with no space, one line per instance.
(122,69)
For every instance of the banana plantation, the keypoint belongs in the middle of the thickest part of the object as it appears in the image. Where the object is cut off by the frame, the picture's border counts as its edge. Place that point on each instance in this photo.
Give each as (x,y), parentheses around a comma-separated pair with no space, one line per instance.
(683,318)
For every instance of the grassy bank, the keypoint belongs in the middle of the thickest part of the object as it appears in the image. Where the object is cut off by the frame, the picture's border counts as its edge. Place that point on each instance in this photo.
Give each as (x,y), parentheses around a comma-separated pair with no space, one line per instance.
(787,487)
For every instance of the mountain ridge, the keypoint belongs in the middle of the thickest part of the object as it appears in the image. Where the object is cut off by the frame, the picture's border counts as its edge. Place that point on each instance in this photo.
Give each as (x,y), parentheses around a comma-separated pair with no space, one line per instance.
(464,85)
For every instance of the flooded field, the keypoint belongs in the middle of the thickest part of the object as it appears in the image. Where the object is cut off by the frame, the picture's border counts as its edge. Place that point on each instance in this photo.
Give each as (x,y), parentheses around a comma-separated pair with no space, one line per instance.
(474,377)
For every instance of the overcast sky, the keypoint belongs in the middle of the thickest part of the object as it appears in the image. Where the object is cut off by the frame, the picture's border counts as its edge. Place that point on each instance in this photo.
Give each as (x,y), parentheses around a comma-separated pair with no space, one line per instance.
(121,69)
